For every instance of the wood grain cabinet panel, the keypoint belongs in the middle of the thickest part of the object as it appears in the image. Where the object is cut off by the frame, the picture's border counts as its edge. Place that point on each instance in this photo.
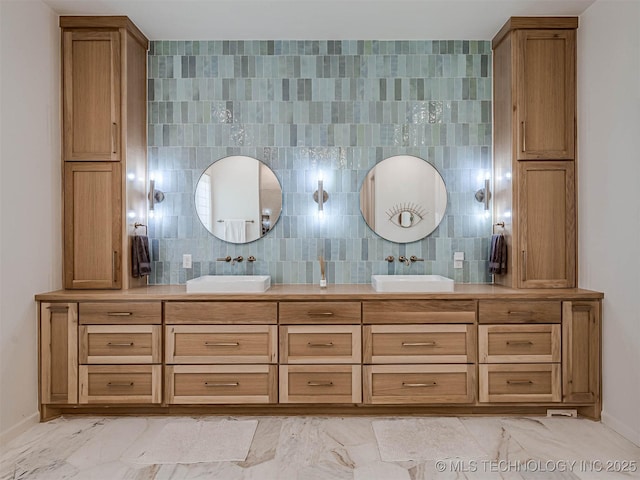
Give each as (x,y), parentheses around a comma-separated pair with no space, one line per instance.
(519,311)
(120,344)
(320,344)
(320,312)
(220,312)
(199,344)
(113,313)
(91,106)
(581,333)
(320,383)
(219,384)
(135,384)
(419,343)
(546,93)
(58,353)
(519,343)
(520,382)
(419,311)
(411,384)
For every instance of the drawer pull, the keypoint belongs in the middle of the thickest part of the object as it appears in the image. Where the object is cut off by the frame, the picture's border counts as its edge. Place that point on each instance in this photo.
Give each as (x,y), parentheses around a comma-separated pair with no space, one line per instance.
(320,384)
(430,384)
(221,344)
(320,314)
(519,382)
(519,314)
(221,384)
(515,343)
(419,344)
(329,344)
(120,344)
(120,384)
(119,314)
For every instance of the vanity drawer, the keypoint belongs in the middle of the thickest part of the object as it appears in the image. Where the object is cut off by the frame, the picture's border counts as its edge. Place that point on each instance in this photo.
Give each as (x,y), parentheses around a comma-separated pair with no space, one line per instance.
(120,383)
(221,343)
(320,312)
(519,343)
(419,311)
(519,311)
(397,384)
(419,343)
(320,384)
(120,344)
(320,344)
(120,313)
(520,383)
(187,384)
(220,312)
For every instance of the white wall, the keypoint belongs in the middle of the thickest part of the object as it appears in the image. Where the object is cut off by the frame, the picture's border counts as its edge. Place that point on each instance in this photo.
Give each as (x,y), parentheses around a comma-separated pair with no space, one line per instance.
(30,193)
(609,181)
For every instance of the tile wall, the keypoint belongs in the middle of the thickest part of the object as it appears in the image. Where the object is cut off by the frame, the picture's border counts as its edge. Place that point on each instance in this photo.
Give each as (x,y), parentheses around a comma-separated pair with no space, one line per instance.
(304,106)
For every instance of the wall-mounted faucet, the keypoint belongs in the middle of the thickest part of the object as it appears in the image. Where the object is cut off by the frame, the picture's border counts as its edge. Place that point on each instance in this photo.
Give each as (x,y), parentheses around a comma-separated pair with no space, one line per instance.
(238,259)
(405,260)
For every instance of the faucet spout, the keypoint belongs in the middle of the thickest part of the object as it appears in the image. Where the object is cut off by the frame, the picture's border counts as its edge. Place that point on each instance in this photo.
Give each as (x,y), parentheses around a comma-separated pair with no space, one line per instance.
(404,260)
(238,259)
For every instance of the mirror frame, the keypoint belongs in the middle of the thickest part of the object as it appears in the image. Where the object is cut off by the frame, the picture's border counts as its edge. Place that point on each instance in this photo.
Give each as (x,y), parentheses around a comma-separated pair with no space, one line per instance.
(265,219)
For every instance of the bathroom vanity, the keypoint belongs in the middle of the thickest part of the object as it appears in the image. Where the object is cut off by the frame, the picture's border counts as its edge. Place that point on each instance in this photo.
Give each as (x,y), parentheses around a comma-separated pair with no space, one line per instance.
(345,349)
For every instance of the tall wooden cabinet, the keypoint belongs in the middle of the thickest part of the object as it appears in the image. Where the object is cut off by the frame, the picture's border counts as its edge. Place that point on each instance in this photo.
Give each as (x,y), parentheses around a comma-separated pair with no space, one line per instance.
(534,150)
(104,148)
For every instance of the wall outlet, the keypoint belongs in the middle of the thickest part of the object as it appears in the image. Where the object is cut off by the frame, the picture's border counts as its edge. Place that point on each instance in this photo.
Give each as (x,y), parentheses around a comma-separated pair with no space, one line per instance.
(186,260)
(458,258)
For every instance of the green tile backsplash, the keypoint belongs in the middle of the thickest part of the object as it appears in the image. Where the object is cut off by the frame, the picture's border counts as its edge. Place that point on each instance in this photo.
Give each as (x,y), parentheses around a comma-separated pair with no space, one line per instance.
(300,106)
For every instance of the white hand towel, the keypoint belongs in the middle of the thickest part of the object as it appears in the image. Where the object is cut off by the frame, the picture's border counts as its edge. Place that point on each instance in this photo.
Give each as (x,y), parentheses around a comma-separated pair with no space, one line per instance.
(235,230)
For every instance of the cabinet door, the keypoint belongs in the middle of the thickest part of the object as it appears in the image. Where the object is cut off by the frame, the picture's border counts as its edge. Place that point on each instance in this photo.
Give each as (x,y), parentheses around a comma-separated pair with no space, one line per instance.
(91,69)
(58,353)
(546,94)
(581,351)
(547,225)
(92,225)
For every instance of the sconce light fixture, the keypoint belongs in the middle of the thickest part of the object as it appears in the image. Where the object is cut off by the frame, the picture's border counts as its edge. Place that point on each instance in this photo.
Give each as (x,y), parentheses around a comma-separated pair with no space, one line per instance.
(155,196)
(484,194)
(320,196)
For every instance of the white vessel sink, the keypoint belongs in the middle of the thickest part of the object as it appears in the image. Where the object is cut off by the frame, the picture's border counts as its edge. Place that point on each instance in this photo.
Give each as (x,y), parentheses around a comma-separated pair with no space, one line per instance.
(411,283)
(229,284)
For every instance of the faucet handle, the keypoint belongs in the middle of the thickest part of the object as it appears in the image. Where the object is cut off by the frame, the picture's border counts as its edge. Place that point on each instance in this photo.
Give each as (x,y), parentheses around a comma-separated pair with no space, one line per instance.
(251,259)
(413,258)
(390,258)
(225,259)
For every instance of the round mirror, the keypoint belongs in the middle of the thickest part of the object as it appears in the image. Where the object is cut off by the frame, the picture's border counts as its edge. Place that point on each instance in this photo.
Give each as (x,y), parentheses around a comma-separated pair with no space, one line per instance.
(403,199)
(238,199)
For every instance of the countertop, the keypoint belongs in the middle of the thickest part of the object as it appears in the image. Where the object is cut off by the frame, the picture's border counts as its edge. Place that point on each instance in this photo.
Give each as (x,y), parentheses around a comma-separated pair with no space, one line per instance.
(462,291)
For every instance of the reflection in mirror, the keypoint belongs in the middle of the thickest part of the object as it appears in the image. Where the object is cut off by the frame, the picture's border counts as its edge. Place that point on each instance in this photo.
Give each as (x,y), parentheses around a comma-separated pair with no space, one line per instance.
(238,199)
(403,199)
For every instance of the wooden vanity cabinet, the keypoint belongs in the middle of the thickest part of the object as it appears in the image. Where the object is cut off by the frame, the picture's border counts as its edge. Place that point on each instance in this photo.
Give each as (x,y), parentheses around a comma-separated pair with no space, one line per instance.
(104,138)
(534,194)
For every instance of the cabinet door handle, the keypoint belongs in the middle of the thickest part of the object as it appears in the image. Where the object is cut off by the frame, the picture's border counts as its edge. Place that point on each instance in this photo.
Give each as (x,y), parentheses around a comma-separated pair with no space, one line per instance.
(115,266)
(114,137)
(329,344)
(524,265)
(320,314)
(514,343)
(320,384)
(120,344)
(419,344)
(120,384)
(119,314)
(519,382)
(221,344)
(221,384)
(524,137)
(429,384)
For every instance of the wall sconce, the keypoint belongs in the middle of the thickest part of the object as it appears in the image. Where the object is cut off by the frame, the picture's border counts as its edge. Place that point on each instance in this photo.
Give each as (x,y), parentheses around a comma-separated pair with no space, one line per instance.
(320,196)
(155,196)
(484,194)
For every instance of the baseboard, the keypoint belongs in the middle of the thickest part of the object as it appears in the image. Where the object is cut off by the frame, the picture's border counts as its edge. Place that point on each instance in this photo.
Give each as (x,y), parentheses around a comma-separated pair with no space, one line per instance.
(23,426)
(621,427)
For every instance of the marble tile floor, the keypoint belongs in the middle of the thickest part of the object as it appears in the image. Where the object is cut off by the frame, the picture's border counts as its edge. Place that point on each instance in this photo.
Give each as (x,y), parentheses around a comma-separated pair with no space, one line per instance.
(326,448)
